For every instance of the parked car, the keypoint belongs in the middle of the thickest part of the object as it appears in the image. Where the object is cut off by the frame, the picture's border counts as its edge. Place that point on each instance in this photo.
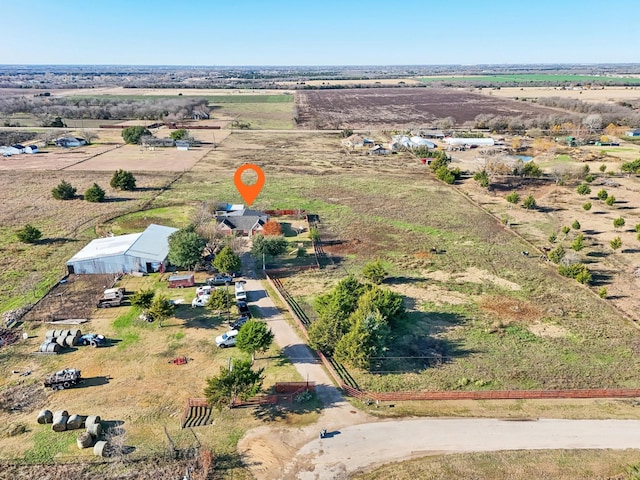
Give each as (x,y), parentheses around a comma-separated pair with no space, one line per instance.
(243,308)
(227,339)
(201,301)
(236,324)
(218,280)
(240,292)
(204,290)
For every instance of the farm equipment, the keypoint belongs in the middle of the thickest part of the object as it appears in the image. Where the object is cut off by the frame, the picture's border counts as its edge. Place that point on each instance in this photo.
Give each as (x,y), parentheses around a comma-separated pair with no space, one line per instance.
(92,339)
(63,379)
(112,297)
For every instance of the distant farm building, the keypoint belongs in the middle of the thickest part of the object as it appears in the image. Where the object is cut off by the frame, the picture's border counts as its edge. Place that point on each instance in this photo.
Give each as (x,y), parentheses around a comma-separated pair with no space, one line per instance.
(31,149)
(379,150)
(399,142)
(632,133)
(469,142)
(136,252)
(68,142)
(243,222)
(183,145)
(153,142)
(12,150)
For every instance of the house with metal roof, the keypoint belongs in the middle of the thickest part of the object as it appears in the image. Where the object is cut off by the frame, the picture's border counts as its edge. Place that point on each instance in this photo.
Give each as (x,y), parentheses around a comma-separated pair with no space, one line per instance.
(144,252)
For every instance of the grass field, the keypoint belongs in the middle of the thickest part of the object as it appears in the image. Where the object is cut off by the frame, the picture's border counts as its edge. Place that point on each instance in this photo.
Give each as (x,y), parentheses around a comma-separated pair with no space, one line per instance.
(534,78)
(543,464)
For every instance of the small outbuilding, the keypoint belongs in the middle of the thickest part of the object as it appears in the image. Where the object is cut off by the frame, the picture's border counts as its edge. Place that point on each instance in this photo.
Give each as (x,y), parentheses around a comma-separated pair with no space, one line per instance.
(180,281)
(68,142)
(632,133)
(144,252)
(183,145)
(31,149)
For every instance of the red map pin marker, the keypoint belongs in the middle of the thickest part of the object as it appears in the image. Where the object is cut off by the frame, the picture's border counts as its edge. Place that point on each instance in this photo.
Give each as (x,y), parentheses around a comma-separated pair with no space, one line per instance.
(249,192)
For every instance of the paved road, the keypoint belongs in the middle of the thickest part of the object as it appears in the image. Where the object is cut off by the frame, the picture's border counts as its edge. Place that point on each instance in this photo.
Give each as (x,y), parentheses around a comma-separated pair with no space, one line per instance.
(350,449)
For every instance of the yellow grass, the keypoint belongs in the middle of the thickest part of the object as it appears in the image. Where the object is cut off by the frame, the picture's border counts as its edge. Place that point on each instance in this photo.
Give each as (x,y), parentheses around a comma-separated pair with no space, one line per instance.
(601,95)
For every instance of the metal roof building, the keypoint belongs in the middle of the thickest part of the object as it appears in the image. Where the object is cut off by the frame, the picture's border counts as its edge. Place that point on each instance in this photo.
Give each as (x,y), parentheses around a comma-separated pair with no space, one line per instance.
(136,252)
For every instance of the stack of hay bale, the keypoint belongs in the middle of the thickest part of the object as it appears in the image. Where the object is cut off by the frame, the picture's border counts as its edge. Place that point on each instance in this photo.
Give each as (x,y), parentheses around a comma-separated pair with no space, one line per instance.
(56,340)
(61,421)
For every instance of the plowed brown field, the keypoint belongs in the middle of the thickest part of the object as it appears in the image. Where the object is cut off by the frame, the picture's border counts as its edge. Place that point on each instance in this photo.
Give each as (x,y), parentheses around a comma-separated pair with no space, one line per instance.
(401,107)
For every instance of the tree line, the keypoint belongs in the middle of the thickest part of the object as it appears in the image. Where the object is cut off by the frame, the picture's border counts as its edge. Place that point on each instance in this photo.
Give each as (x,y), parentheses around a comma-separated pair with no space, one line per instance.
(103,108)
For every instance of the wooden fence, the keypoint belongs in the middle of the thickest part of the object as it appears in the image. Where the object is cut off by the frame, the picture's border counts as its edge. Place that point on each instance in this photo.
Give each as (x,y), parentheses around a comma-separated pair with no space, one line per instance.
(349,387)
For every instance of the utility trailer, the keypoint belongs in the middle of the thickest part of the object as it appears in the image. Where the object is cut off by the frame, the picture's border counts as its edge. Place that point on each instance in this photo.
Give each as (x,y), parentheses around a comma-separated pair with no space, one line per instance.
(63,379)
(112,297)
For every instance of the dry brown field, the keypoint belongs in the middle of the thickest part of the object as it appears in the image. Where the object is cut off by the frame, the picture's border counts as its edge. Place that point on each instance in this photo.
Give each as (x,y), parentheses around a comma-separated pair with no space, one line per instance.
(190,92)
(400,107)
(595,95)
(391,82)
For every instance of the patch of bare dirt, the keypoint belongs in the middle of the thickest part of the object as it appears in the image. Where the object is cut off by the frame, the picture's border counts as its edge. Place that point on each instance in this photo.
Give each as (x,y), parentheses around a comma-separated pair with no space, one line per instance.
(547,330)
(508,308)
(76,297)
(475,275)
(22,397)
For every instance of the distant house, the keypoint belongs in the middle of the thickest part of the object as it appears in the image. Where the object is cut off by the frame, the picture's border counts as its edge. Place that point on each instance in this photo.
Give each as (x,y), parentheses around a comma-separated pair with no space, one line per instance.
(379,150)
(432,134)
(632,133)
(183,145)
(31,149)
(243,222)
(149,141)
(68,142)
(200,115)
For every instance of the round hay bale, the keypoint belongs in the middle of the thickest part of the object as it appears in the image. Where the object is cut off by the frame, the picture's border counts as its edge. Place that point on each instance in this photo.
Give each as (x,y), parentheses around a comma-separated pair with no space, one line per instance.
(43,347)
(84,440)
(60,421)
(63,333)
(50,334)
(70,341)
(91,419)
(53,348)
(75,332)
(75,422)
(55,333)
(100,448)
(60,340)
(45,416)
(95,429)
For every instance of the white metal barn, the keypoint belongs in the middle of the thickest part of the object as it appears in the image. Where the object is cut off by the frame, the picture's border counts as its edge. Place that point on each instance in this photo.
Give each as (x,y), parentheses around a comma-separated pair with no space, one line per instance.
(136,252)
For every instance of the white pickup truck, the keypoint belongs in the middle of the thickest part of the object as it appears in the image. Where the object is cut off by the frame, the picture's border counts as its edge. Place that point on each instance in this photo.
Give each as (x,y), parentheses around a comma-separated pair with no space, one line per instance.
(241,295)
(201,301)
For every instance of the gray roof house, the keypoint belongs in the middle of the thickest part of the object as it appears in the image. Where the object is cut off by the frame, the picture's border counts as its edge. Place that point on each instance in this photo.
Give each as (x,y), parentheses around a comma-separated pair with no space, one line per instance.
(136,252)
(243,222)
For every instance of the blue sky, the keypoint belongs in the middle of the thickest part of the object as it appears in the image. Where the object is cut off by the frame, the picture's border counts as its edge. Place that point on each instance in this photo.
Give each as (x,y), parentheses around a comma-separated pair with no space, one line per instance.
(325,32)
